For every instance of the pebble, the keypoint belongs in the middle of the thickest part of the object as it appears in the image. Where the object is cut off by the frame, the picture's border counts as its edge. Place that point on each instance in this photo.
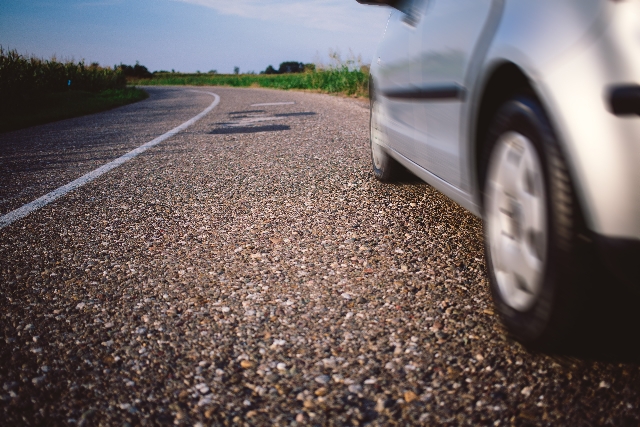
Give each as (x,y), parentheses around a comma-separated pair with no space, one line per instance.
(410,396)
(246,364)
(321,391)
(38,381)
(322,379)
(355,388)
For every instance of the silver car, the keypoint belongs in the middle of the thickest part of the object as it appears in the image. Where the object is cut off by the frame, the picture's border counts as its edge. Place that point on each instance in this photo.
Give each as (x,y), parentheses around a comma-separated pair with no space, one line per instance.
(527,113)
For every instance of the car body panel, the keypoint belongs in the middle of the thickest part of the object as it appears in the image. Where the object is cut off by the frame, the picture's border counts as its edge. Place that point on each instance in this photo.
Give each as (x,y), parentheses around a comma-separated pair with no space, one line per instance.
(446,56)
(571,61)
(394,70)
(571,52)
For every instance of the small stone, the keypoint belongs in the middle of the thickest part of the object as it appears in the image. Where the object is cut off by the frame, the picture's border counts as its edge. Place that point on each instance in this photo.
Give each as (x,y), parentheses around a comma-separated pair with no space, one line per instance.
(300,418)
(436,327)
(321,391)
(410,396)
(246,364)
(9,385)
(206,400)
(526,391)
(329,362)
(202,388)
(479,357)
(281,366)
(346,296)
(80,306)
(252,413)
(272,378)
(604,384)
(277,343)
(355,388)
(322,379)
(38,381)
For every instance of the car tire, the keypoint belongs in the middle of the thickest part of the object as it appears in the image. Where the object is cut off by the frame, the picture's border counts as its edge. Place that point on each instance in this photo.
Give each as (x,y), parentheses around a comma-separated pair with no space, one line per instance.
(385,167)
(531,222)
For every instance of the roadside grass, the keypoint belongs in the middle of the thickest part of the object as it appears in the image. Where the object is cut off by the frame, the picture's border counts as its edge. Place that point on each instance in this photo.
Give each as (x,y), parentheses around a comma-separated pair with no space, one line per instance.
(49,107)
(340,80)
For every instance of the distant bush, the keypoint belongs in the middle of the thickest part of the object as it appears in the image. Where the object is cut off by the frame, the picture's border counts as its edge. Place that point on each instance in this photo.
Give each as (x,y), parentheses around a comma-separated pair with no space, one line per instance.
(23,78)
(270,70)
(136,71)
(289,67)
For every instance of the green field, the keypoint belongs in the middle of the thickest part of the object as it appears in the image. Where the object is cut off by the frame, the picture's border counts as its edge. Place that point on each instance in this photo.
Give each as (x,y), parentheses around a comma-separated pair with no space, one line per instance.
(337,80)
(49,107)
(35,91)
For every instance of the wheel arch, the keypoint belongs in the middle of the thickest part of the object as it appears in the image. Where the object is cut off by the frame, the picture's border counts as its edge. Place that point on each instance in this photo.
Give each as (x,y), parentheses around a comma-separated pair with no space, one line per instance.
(506,80)
(503,82)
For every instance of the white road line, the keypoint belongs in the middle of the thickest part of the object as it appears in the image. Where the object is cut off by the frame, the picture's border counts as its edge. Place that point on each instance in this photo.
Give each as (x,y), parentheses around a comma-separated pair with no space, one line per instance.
(25,210)
(273,103)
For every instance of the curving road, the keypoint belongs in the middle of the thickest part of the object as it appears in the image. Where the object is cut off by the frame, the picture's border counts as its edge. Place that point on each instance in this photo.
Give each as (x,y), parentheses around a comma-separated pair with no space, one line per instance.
(249,269)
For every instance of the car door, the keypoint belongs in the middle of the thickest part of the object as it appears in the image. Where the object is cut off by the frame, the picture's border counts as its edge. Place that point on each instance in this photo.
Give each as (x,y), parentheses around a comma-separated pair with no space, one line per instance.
(398,63)
(452,33)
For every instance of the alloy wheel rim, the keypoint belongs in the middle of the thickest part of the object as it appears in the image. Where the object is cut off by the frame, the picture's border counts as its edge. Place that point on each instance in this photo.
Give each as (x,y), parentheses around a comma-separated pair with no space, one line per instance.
(516,220)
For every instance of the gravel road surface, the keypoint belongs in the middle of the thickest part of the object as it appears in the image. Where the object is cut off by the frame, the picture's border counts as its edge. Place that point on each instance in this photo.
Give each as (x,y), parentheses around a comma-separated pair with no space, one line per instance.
(251,271)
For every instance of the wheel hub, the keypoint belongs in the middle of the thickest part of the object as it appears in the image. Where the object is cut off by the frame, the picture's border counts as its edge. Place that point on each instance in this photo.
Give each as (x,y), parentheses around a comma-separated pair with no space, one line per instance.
(516,219)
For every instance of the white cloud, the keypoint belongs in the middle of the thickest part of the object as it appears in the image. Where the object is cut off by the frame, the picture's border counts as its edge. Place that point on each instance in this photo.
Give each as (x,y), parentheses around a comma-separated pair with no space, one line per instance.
(331,15)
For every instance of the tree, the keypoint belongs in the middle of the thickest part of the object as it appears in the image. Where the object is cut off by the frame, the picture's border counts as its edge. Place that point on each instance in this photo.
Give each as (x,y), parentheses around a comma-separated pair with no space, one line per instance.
(138,71)
(291,67)
(236,70)
(270,70)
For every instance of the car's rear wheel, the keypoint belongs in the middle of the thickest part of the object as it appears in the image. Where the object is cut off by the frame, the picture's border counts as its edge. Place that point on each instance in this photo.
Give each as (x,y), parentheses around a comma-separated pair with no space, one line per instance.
(385,167)
(530,223)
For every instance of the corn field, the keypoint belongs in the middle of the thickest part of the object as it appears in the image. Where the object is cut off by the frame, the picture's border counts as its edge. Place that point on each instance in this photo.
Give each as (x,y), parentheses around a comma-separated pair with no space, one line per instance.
(24,78)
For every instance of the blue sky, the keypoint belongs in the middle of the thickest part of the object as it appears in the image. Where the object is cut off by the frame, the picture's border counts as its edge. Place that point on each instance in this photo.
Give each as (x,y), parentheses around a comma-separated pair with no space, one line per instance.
(192,35)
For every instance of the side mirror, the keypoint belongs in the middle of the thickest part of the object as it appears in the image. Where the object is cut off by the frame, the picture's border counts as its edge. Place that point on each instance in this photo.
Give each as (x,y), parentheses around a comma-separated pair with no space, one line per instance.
(393,3)
(401,5)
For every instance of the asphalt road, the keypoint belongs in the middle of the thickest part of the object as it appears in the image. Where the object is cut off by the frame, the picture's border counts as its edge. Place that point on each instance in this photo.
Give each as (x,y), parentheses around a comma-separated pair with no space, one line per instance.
(250,270)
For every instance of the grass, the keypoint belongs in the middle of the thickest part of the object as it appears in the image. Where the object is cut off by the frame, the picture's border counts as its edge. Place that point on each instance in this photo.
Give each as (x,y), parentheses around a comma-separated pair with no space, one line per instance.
(340,80)
(49,107)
